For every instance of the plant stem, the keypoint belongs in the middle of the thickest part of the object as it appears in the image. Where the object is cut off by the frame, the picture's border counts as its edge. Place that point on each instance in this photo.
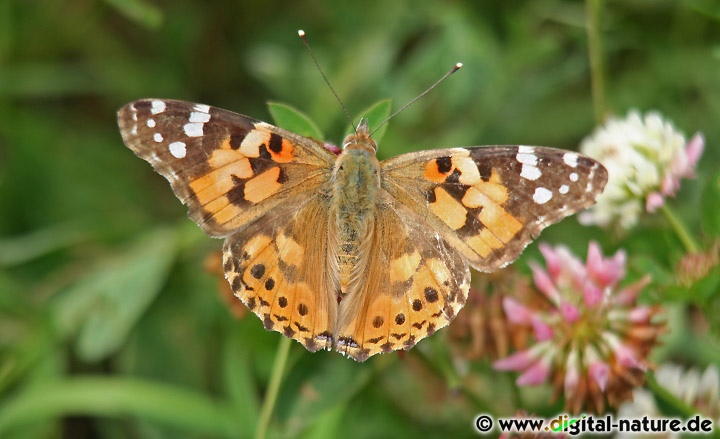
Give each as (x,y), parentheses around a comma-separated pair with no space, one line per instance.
(679,227)
(273,387)
(666,396)
(592,22)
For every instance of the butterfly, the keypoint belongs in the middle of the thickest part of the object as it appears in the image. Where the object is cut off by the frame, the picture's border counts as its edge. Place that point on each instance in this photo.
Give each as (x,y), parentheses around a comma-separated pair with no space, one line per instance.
(343,251)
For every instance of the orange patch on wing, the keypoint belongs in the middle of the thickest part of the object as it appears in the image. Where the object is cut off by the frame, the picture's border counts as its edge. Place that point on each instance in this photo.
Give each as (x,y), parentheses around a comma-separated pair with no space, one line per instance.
(423,282)
(478,245)
(439,270)
(502,224)
(286,153)
(261,252)
(433,174)
(479,194)
(290,251)
(223,211)
(240,164)
(225,163)
(493,189)
(402,268)
(448,209)
(263,186)
(377,323)
(212,186)
(257,244)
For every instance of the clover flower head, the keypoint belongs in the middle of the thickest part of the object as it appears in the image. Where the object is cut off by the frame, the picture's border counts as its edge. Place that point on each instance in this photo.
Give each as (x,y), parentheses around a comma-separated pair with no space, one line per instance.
(646,157)
(591,337)
(699,390)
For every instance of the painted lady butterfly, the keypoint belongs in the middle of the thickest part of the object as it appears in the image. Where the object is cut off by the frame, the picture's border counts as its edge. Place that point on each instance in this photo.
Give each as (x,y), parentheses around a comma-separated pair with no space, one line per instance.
(346,252)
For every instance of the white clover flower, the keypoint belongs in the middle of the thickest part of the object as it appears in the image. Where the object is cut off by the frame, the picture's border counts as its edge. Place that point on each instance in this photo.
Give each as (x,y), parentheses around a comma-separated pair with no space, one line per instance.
(642,404)
(700,391)
(645,157)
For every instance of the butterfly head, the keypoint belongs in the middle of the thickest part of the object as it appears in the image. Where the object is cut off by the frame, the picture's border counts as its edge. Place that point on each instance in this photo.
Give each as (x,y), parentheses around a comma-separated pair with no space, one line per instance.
(361,139)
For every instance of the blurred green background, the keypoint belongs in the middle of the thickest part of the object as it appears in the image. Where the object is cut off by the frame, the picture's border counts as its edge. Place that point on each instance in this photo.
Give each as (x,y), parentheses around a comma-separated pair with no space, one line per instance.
(110,326)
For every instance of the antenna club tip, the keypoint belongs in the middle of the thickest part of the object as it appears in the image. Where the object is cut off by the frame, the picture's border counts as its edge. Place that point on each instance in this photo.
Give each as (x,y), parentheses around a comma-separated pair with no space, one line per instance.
(458,65)
(301,33)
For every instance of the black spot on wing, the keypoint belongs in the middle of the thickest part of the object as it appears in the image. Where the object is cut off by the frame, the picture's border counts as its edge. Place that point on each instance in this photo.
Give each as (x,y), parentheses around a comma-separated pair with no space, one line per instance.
(444,164)
(275,143)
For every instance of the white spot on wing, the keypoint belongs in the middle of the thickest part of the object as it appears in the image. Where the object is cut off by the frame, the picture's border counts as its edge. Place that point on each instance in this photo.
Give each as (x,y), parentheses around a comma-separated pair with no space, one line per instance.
(542,195)
(202,108)
(133,131)
(151,123)
(530,172)
(157,107)
(198,117)
(158,137)
(529,162)
(177,149)
(527,159)
(522,149)
(570,159)
(574,176)
(564,189)
(193,129)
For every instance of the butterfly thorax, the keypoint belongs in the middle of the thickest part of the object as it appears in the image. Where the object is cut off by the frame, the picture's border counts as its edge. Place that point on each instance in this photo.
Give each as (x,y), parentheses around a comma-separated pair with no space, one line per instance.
(355,187)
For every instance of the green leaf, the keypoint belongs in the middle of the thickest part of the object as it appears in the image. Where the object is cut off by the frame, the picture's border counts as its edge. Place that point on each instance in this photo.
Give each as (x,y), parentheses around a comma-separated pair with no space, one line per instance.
(711,309)
(20,249)
(333,383)
(105,305)
(376,114)
(140,12)
(328,424)
(238,377)
(294,120)
(708,286)
(120,398)
(710,214)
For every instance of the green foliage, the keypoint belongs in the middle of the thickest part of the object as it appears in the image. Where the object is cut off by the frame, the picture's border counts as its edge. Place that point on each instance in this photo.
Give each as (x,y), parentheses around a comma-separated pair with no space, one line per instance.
(294,120)
(375,114)
(101,308)
(710,206)
(109,324)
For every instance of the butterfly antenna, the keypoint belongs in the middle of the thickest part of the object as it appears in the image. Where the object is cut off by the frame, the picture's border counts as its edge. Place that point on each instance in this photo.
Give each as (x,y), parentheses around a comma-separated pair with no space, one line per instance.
(455,68)
(301,34)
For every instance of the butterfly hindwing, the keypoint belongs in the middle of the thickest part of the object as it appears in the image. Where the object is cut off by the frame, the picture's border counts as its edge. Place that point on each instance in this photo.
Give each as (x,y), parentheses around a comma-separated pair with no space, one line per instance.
(413,284)
(278,267)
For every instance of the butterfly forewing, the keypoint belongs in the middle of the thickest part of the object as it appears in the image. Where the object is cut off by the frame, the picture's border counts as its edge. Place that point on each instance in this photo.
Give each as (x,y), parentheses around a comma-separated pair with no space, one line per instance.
(490,202)
(227,168)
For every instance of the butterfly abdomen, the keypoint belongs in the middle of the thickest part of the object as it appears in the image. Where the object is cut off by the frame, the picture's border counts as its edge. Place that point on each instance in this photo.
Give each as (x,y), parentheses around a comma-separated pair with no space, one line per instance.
(354,198)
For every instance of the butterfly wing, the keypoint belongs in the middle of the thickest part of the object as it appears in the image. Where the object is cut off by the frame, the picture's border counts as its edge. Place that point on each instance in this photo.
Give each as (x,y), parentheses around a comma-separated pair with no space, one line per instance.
(490,202)
(227,168)
(257,185)
(279,267)
(413,283)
